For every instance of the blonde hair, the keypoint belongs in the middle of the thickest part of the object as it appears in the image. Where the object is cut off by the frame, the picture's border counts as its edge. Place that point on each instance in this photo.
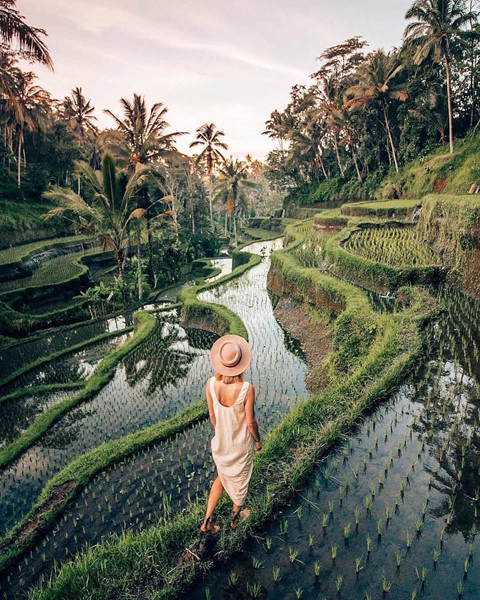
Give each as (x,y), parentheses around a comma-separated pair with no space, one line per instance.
(227,379)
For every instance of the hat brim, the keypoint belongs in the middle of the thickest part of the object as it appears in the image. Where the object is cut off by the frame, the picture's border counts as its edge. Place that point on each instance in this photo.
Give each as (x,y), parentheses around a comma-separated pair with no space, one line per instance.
(240,366)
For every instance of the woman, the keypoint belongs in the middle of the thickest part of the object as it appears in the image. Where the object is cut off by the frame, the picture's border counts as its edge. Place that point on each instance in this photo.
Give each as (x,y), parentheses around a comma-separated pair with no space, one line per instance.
(231,408)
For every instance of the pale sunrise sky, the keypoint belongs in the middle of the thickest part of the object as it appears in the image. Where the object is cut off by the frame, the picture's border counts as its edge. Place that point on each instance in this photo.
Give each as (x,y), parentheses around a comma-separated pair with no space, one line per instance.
(230,62)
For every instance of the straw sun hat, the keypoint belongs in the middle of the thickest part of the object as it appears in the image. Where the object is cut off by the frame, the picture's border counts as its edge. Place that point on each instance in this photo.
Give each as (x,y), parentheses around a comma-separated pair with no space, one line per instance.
(230,355)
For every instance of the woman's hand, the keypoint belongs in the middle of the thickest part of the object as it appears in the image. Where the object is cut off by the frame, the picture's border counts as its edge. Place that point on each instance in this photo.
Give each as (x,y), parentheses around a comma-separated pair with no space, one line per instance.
(258,446)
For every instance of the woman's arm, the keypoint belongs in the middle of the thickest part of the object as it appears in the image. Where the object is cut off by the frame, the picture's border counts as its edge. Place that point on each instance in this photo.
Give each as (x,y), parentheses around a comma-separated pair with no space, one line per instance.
(211,412)
(250,417)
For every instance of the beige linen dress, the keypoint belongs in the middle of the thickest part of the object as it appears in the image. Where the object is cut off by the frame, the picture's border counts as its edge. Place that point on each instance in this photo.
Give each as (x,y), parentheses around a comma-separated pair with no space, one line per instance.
(232,445)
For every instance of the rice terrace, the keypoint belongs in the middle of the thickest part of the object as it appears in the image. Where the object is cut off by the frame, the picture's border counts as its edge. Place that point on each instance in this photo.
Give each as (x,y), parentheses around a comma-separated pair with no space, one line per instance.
(348,257)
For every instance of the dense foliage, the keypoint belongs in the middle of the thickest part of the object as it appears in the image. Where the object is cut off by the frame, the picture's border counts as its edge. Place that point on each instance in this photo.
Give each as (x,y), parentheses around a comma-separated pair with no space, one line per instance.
(368,113)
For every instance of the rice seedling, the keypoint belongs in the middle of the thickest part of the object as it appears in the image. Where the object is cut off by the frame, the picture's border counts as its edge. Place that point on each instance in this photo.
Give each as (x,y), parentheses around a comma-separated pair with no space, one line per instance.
(386,584)
(408,540)
(257,563)
(379,527)
(356,512)
(317,568)
(233,578)
(339,583)
(421,574)
(276,573)
(346,531)
(292,555)
(369,544)
(358,564)
(298,591)
(254,590)
(333,551)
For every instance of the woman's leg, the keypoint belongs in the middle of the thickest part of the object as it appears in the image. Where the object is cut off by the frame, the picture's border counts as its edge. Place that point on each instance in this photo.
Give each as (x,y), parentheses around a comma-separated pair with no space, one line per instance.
(237,510)
(214,496)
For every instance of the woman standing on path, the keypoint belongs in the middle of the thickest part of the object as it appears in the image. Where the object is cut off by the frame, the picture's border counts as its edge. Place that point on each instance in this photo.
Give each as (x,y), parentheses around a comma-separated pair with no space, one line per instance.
(231,408)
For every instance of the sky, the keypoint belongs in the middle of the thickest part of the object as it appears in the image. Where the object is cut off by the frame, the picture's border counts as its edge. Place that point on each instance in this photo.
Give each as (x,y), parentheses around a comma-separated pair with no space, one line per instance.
(228,62)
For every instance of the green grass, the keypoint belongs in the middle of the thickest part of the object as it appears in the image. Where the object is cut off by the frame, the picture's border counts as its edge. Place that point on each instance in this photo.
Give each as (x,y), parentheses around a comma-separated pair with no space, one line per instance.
(17,253)
(395,247)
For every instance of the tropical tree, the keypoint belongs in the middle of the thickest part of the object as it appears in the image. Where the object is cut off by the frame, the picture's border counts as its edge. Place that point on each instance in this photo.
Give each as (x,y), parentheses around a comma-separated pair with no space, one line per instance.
(111,210)
(376,86)
(14,30)
(141,138)
(208,136)
(278,127)
(78,111)
(438,25)
(30,110)
(231,189)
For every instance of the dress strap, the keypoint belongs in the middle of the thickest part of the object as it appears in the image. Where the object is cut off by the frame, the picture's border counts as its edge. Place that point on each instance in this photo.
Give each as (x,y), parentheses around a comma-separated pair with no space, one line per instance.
(243,392)
(212,389)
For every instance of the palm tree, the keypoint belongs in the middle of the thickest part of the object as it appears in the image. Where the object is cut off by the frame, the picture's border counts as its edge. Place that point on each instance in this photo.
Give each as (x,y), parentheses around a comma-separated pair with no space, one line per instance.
(438,25)
(111,210)
(209,136)
(140,138)
(79,113)
(30,111)
(231,188)
(278,127)
(14,29)
(375,85)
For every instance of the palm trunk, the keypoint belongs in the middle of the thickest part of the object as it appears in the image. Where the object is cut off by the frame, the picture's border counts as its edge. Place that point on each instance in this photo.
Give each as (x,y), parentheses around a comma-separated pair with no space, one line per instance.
(449,103)
(390,138)
(139,268)
(355,162)
(337,154)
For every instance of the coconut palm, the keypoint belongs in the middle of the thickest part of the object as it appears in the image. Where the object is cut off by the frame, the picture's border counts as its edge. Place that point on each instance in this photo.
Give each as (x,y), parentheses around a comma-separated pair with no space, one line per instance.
(140,136)
(111,210)
(437,26)
(79,113)
(375,86)
(278,128)
(231,188)
(30,111)
(13,29)
(208,136)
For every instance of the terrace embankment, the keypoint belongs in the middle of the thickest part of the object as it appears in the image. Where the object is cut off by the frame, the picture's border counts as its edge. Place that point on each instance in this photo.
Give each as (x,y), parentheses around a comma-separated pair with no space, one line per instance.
(315,339)
(451,226)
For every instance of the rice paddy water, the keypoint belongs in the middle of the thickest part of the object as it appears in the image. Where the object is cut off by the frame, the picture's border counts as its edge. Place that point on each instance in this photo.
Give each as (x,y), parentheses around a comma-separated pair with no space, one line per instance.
(165,374)
(394,511)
